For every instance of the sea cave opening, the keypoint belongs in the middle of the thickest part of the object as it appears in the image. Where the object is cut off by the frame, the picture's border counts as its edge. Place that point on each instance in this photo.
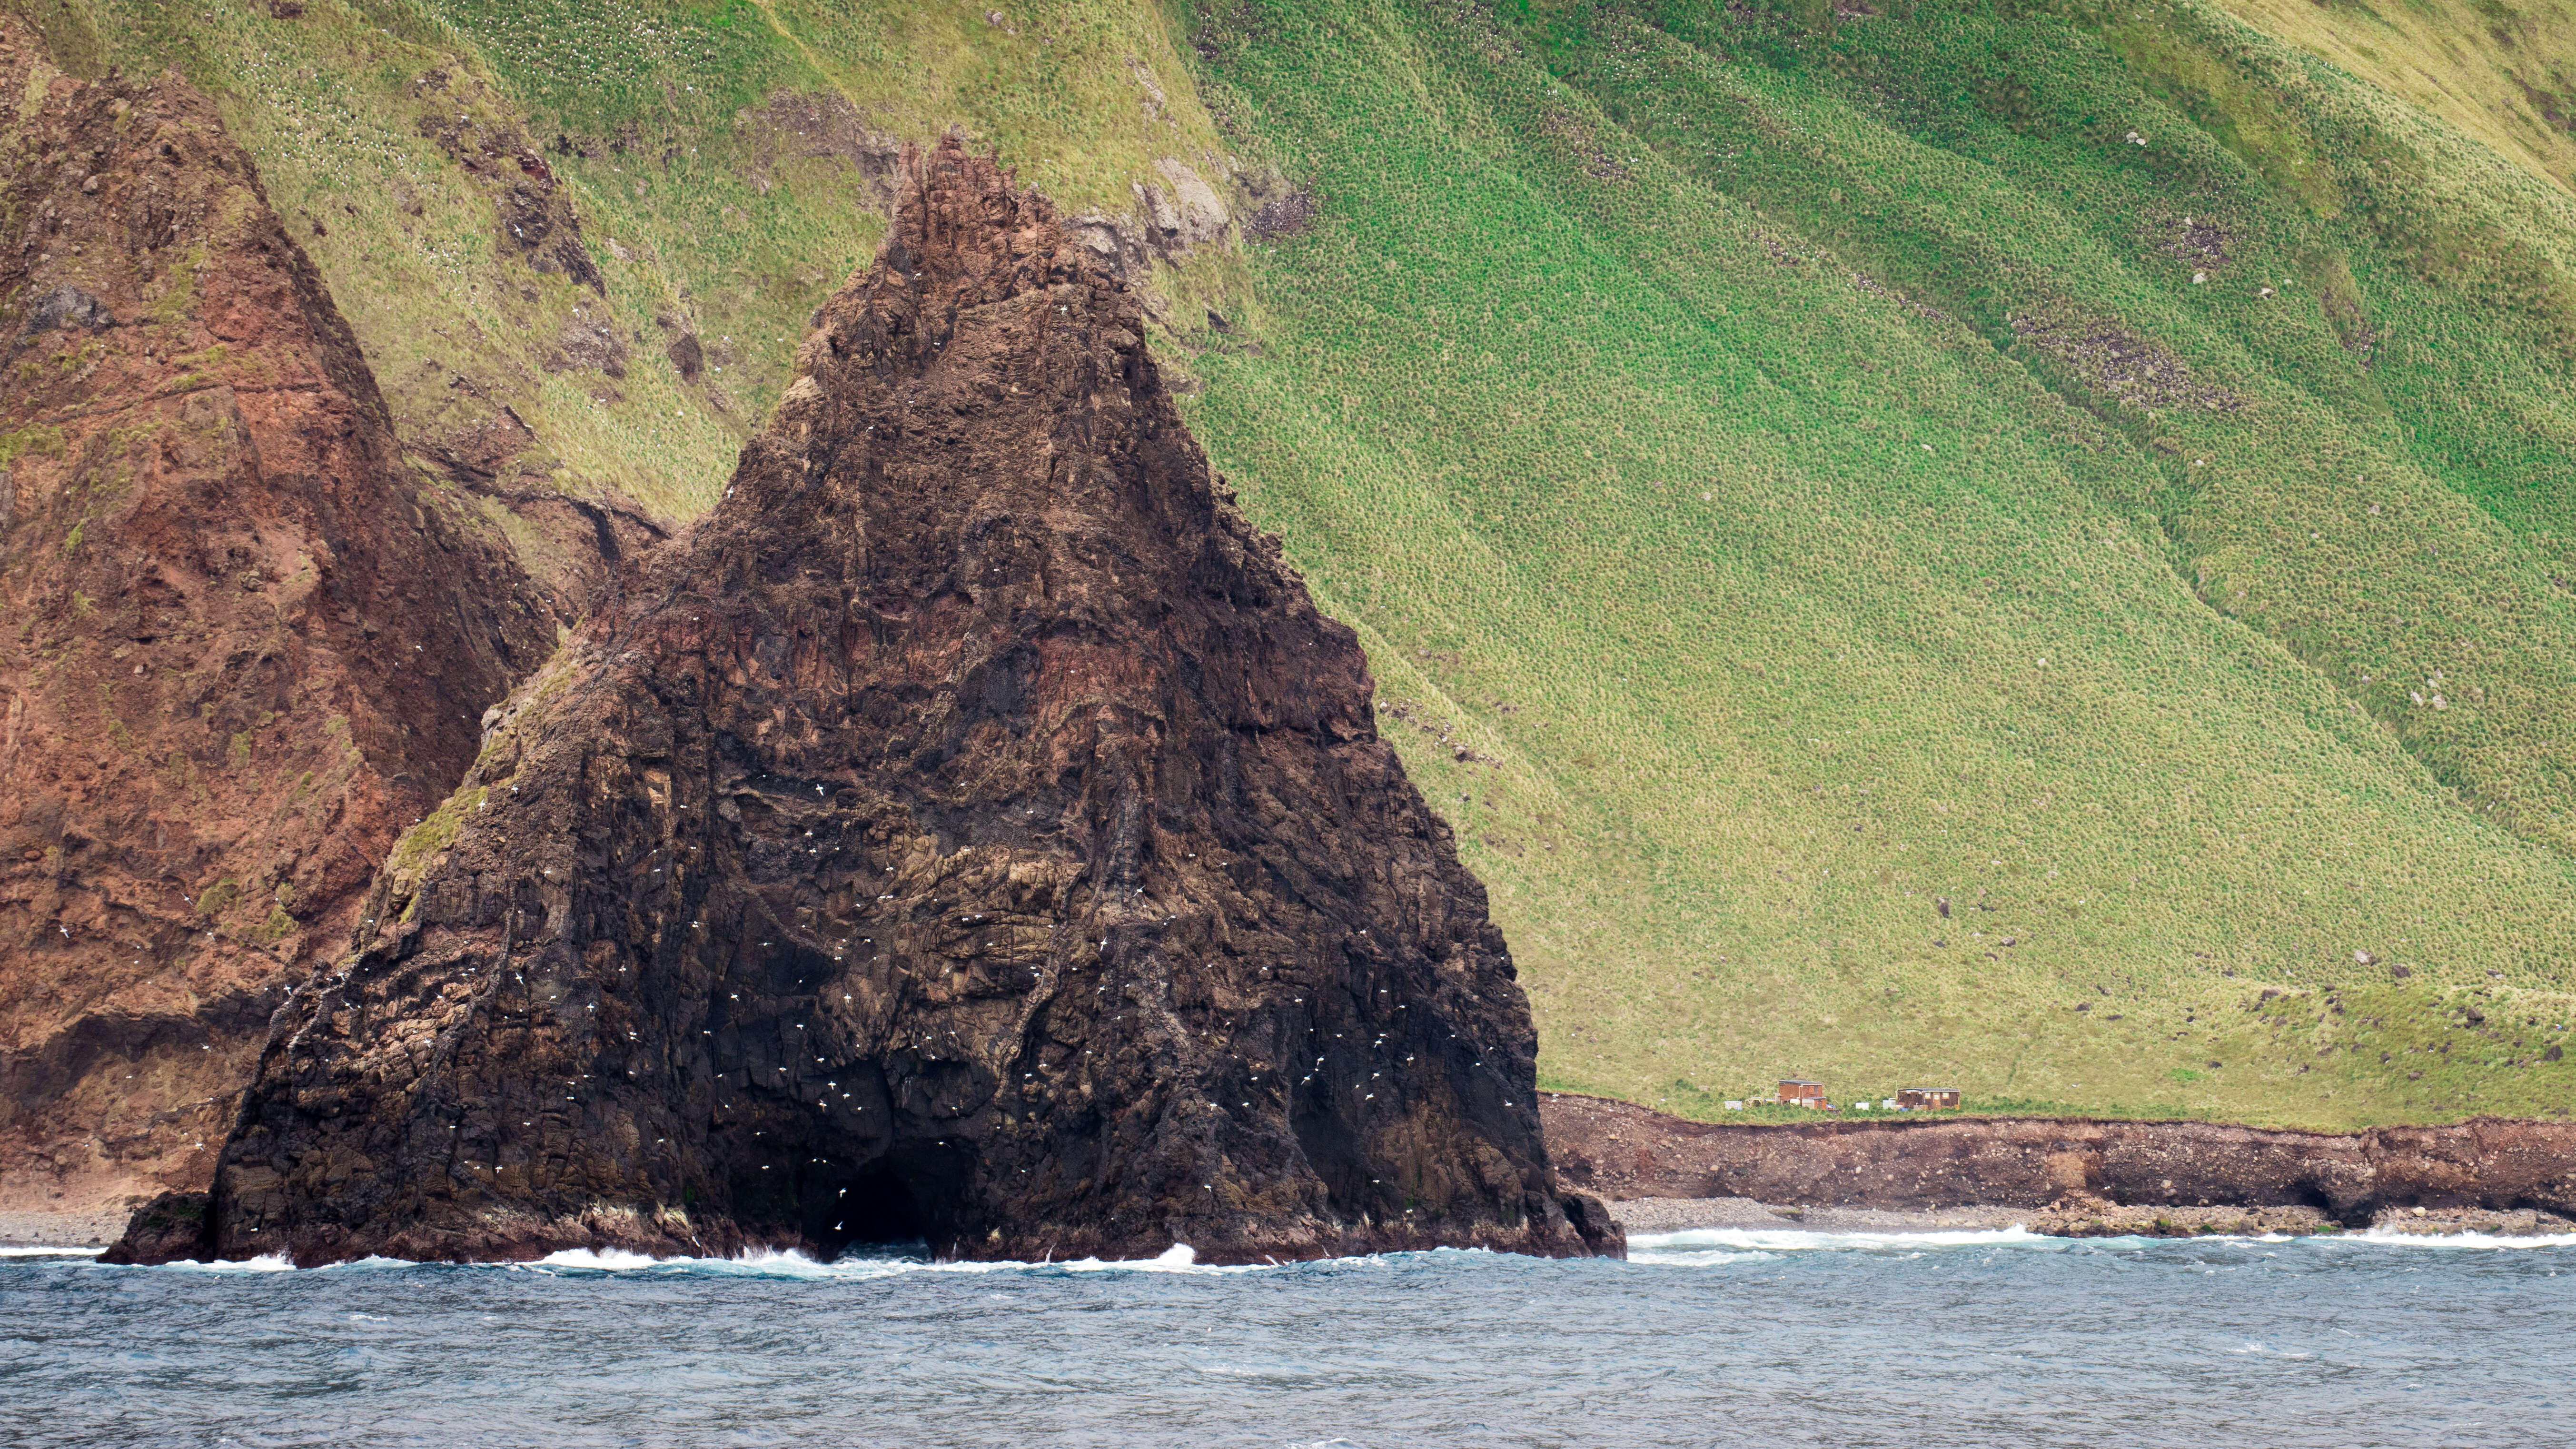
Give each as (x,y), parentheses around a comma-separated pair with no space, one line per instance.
(901,1201)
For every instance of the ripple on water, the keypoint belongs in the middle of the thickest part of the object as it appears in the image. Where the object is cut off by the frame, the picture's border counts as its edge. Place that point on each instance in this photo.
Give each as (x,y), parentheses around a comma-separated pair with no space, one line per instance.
(1776,1338)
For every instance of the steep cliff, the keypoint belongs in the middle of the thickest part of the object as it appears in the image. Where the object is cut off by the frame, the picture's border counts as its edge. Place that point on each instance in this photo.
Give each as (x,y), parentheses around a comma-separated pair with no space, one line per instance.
(969,830)
(241,649)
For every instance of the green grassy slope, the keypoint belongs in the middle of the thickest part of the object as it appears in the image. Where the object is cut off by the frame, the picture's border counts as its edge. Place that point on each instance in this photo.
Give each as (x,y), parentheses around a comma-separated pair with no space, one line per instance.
(2499,73)
(1783,465)
(716,155)
(1797,456)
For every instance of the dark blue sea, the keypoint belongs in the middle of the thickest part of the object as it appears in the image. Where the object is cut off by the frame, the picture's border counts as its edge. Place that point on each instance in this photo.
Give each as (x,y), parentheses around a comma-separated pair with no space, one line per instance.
(1723,1338)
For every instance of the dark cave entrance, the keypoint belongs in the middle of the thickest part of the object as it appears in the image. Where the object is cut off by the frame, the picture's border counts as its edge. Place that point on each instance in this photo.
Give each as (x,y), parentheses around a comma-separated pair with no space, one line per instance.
(870,1206)
(902,1200)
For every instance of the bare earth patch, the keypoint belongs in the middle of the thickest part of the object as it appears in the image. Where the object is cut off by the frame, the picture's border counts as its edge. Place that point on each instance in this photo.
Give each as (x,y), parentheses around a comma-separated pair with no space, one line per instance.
(2194,239)
(2137,371)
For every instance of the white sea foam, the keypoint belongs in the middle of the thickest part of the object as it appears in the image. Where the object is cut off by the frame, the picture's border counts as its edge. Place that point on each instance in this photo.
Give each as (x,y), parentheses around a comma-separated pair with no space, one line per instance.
(790,1263)
(1178,1258)
(611,1260)
(1702,1247)
(1693,1246)
(757,1263)
(267,1263)
(2456,1240)
(1663,1257)
(43,1250)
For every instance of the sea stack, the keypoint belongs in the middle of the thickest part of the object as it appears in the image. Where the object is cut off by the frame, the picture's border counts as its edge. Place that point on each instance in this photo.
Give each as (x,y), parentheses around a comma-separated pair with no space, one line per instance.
(969,831)
(242,647)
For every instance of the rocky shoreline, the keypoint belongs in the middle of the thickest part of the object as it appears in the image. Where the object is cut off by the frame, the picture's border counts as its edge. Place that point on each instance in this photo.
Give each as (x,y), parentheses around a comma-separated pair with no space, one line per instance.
(76,1231)
(2069,1177)
(2058,1177)
(1650,1215)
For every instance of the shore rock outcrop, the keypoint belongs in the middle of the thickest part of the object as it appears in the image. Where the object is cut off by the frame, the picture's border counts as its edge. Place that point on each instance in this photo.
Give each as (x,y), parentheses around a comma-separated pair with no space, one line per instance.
(969,830)
(2080,1167)
(241,648)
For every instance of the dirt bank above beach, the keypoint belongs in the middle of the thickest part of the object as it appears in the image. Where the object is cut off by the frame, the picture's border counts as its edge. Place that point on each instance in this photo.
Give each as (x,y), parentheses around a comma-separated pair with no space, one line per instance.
(1647,1215)
(2073,1175)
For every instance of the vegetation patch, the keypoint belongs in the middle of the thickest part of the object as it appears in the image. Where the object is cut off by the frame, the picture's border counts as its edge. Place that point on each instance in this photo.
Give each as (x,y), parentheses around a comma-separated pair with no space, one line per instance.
(433,834)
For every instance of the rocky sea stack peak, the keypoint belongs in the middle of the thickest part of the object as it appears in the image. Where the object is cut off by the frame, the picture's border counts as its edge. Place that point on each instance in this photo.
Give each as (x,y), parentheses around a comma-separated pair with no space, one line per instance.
(969,831)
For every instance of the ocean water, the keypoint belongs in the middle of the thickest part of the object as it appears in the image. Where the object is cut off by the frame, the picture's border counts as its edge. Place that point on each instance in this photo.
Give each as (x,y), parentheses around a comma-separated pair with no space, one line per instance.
(1720,1338)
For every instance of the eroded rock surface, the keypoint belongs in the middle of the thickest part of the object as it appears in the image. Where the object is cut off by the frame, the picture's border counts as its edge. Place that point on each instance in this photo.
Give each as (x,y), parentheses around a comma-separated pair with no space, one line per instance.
(241,649)
(2079,1173)
(969,830)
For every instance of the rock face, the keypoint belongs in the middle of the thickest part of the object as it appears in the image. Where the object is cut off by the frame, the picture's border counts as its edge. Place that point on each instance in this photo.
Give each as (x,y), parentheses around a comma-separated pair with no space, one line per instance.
(2080,1167)
(969,830)
(240,648)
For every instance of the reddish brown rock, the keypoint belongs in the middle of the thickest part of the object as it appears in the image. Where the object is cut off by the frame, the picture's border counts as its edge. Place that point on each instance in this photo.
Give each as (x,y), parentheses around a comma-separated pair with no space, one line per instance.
(1620,1150)
(241,648)
(969,830)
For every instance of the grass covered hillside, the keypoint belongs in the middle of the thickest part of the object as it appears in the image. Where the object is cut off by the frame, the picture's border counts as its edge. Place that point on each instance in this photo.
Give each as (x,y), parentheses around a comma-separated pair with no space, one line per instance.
(2500,73)
(2018,546)
(1941,545)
